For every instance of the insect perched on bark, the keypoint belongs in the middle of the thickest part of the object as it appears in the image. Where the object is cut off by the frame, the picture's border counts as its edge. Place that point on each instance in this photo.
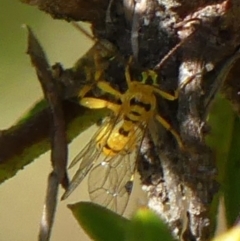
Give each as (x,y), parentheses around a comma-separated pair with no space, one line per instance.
(114,144)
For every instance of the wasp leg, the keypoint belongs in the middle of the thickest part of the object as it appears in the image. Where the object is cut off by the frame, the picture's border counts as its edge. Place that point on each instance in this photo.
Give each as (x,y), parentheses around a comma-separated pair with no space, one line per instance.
(84,91)
(174,96)
(167,126)
(188,80)
(94,103)
(97,77)
(107,88)
(166,95)
(127,73)
(99,65)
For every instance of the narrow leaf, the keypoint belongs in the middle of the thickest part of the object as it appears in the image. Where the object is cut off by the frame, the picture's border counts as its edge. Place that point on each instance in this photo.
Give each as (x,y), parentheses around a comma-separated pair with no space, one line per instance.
(99,223)
(147,226)
(232,176)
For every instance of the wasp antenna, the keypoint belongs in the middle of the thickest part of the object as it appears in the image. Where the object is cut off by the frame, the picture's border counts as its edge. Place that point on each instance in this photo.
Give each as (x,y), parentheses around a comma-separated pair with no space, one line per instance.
(107,45)
(169,54)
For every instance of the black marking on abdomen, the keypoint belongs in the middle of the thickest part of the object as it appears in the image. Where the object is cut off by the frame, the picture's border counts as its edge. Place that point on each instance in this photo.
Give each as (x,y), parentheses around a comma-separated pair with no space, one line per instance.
(135,113)
(123,132)
(126,118)
(109,148)
(134,101)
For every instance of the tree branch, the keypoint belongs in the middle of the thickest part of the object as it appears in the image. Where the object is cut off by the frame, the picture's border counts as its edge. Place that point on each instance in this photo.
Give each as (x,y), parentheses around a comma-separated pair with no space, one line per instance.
(29,138)
(90,11)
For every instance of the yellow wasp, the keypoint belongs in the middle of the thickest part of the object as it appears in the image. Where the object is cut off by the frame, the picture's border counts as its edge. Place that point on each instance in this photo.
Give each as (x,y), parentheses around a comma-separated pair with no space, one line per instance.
(109,154)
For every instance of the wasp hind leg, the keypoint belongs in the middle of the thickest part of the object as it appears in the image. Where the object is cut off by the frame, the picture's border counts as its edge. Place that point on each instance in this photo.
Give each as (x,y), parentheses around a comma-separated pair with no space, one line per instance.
(171,97)
(168,127)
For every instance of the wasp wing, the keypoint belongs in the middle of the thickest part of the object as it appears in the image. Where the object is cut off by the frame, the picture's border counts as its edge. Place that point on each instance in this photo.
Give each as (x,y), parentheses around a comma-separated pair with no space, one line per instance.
(89,155)
(110,182)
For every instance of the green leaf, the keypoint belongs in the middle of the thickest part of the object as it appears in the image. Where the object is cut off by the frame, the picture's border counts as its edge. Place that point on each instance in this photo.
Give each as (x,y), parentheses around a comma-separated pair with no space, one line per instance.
(99,223)
(224,140)
(232,176)
(147,226)
(221,120)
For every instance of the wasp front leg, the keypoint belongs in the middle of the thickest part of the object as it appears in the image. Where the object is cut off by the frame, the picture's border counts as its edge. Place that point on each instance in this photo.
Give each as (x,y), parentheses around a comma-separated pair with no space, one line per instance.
(107,88)
(94,103)
(166,95)
(127,73)
(174,96)
(94,69)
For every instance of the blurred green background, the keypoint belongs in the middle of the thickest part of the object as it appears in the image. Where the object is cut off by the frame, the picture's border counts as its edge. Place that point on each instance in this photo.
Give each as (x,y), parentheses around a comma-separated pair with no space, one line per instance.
(22,197)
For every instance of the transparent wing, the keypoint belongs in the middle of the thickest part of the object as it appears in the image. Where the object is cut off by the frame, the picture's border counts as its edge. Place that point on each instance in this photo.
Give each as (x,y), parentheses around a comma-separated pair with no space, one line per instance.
(89,155)
(110,182)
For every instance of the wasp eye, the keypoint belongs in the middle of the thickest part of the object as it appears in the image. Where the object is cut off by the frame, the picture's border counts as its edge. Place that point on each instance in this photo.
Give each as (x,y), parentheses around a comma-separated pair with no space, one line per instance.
(133,101)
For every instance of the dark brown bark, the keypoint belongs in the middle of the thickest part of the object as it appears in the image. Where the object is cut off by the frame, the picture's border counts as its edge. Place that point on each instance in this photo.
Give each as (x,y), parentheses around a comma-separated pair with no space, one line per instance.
(92,11)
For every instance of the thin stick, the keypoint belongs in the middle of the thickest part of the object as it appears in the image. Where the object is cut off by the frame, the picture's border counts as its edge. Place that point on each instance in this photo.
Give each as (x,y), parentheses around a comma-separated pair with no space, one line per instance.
(176,47)
(58,140)
(84,31)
